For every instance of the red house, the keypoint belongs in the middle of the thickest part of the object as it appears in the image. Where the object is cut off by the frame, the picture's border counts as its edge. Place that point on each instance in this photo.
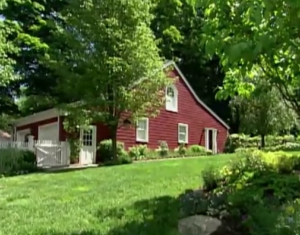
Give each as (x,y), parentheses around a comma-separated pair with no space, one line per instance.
(183,119)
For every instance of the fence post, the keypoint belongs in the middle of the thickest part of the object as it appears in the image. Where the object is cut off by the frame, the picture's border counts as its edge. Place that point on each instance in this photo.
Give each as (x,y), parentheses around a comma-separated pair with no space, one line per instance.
(31,142)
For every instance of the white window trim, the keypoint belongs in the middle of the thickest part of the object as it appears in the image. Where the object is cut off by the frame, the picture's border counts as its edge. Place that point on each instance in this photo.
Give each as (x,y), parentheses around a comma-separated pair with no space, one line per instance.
(186,126)
(146,140)
(173,109)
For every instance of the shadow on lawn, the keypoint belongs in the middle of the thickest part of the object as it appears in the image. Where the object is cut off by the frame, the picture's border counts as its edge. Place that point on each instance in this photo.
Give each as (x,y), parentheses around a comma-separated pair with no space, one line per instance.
(160,216)
(156,216)
(148,217)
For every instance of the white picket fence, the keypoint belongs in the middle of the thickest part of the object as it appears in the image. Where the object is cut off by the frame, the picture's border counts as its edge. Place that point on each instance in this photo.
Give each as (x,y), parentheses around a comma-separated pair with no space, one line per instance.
(48,153)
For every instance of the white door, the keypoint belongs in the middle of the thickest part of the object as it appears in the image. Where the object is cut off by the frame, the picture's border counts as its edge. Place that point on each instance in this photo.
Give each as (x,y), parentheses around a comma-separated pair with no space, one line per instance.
(88,148)
(48,132)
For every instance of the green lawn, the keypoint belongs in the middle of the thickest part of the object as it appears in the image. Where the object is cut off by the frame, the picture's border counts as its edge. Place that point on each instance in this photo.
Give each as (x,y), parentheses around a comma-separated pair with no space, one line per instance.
(136,199)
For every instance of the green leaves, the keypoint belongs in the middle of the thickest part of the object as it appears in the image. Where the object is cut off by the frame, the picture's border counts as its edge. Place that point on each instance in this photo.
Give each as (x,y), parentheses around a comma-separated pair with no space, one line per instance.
(118,67)
(7,72)
(247,35)
(263,111)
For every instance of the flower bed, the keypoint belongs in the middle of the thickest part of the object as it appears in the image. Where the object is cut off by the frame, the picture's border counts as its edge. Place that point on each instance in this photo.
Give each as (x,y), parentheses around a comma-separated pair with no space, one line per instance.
(143,153)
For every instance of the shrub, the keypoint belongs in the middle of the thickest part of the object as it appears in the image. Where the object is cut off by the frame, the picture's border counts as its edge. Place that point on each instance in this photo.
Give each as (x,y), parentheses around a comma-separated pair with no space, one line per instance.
(163,149)
(105,150)
(181,150)
(210,178)
(197,149)
(208,152)
(15,161)
(268,220)
(138,151)
(123,158)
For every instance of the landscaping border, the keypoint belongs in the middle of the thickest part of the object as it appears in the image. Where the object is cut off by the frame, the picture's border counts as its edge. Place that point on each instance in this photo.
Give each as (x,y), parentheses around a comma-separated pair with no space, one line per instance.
(171,158)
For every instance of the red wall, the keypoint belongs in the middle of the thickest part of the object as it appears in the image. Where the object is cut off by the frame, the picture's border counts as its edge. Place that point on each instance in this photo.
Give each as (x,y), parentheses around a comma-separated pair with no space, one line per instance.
(165,125)
(34,127)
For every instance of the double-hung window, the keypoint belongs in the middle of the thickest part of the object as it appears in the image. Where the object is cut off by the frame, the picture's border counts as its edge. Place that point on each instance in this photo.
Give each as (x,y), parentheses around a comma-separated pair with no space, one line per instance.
(142,130)
(183,133)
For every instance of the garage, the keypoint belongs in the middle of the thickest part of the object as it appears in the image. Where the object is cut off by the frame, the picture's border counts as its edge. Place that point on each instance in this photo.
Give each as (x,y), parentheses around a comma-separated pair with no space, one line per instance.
(48,132)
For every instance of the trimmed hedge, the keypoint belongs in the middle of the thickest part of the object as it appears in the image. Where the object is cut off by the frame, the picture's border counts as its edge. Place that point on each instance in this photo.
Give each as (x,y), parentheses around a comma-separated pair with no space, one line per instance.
(15,162)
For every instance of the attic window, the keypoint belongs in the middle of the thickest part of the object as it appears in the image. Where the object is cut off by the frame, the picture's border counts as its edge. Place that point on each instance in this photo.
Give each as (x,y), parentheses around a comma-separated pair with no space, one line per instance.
(172,98)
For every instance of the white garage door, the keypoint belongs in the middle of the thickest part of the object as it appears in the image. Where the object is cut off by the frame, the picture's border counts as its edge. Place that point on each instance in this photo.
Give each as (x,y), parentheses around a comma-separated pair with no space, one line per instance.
(48,132)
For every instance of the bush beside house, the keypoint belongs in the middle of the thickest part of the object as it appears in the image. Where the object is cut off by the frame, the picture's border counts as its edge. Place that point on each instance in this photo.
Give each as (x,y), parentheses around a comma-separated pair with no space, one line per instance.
(142,152)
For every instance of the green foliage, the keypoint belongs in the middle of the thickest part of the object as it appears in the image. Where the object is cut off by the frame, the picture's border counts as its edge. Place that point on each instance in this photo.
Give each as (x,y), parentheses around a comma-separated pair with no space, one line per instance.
(106,153)
(181,150)
(238,142)
(197,149)
(264,112)
(15,162)
(210,178)
(254,180)
(123,158)
(7,48)
(118,66)
(163,148)
(138,151)
(34,34)
(239,33)
(264,220)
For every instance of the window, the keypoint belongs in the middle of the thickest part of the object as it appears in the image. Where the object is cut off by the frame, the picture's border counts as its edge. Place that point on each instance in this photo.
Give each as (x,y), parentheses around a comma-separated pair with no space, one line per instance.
(142,130)
(183,133)
(171,98)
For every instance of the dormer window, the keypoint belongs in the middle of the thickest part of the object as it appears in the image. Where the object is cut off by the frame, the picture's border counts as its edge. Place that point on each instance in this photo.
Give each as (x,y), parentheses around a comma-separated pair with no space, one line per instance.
(171,98)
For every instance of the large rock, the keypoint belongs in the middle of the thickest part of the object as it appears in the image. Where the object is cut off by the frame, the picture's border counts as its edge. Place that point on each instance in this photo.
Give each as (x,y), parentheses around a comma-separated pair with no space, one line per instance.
(198,225)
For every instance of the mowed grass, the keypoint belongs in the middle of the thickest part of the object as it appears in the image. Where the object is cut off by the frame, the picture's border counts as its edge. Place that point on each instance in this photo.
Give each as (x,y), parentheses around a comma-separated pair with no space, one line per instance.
(136,199)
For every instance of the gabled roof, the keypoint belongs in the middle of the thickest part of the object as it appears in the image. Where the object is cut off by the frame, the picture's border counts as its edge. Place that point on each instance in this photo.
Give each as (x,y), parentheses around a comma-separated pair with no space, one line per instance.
(172,63)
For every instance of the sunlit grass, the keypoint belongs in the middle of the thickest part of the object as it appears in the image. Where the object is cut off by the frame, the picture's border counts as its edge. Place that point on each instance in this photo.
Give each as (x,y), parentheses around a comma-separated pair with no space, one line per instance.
(136,199)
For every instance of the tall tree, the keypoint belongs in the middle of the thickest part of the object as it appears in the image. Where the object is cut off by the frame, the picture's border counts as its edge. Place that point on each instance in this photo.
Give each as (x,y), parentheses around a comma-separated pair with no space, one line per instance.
(8,76)
(263,112)
(113,64)
(250,36)
(34,36)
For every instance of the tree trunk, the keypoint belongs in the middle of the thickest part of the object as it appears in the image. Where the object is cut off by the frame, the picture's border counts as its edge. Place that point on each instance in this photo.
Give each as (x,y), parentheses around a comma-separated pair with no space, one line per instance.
(114,143)
(262,143)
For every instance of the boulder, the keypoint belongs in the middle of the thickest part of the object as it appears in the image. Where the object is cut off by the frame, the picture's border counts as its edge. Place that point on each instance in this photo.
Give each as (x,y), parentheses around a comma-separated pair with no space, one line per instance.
(199,225)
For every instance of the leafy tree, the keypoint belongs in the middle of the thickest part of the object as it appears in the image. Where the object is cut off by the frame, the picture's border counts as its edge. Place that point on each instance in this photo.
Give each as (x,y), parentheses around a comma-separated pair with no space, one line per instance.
(113,65)
(34,35)
(263,112)
(7,73)
(8,76)
(250,36)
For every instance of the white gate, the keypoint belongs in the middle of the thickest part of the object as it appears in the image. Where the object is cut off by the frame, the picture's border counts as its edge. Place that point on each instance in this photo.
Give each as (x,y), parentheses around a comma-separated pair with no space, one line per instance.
(51,153)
